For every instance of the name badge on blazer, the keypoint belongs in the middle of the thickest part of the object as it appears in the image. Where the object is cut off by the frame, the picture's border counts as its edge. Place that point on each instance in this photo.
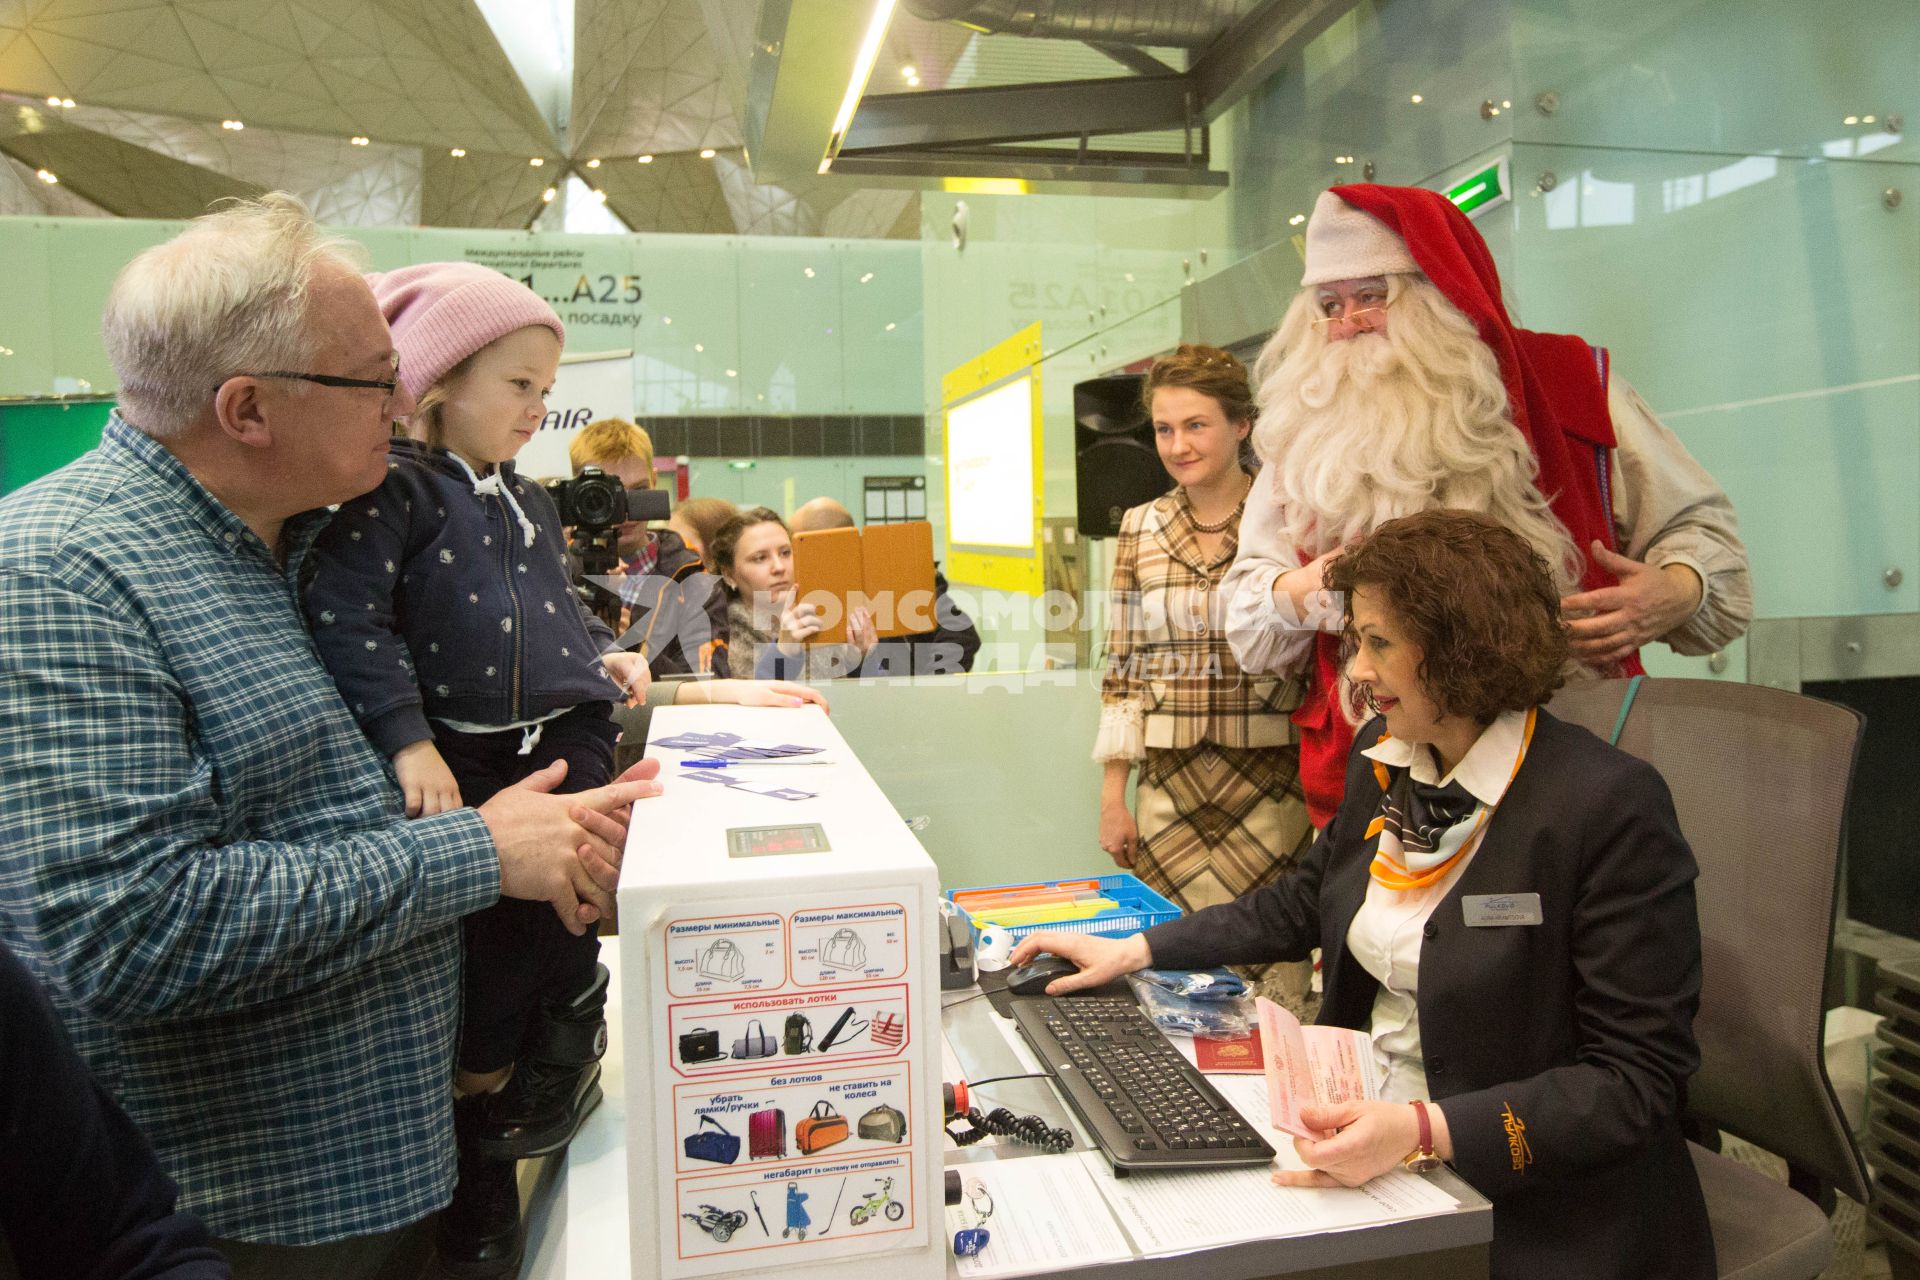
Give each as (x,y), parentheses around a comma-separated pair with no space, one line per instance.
(1500,910)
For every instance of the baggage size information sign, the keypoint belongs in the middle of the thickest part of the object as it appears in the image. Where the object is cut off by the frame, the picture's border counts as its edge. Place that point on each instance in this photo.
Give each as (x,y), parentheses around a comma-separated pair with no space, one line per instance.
(794,1099)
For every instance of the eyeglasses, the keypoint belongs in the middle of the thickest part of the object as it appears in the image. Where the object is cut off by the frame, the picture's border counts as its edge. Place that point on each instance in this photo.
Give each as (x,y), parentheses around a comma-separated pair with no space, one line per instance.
(1353,317)
(334,380)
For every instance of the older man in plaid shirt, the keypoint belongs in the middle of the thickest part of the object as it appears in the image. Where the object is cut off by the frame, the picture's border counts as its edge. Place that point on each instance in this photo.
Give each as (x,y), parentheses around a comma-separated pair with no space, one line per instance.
(200,853)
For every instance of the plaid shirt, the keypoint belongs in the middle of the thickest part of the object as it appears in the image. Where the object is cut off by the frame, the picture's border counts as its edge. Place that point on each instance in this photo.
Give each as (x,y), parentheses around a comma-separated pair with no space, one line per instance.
(206,862)
(1171,679)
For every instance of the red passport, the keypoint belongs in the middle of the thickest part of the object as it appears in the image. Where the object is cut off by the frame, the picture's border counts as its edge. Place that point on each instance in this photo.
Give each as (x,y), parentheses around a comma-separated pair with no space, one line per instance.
(1229,1057)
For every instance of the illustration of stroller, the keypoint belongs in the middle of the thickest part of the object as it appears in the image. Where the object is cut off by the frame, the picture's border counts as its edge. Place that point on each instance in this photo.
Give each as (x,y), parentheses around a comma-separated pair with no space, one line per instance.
(879,1201)
(798,1220)
(718,1223)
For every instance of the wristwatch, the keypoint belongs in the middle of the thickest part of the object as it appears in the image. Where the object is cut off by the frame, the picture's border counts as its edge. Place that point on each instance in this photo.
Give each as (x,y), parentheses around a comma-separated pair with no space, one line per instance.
(1422,1158)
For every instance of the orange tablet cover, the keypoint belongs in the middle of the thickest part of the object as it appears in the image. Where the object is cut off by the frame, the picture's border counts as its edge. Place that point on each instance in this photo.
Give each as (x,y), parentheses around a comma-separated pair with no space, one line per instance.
(887,569)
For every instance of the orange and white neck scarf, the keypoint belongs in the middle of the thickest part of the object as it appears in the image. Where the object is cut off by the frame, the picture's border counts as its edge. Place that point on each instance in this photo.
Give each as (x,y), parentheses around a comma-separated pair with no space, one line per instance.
(1423,828)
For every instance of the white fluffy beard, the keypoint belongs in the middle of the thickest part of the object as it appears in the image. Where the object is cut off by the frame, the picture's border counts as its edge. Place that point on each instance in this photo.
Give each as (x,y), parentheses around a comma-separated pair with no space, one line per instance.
(1378,426)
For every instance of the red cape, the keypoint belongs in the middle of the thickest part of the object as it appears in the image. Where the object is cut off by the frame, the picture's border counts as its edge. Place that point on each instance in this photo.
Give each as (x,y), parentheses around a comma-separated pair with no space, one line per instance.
(1557,392)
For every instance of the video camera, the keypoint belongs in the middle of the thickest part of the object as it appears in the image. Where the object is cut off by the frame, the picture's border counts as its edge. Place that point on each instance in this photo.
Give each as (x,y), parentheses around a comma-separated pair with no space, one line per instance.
(593,502)
(594,505)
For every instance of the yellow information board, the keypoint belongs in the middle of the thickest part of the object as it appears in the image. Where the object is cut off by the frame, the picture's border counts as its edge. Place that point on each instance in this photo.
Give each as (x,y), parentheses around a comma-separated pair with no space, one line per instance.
(990,409)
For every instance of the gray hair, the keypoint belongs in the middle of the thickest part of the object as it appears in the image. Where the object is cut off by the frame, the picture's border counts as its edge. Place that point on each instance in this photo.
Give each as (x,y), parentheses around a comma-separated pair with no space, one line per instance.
(227,295)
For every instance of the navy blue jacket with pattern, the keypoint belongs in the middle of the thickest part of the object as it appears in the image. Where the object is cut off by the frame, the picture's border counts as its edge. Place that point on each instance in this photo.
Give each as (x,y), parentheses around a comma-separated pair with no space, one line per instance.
(427,603)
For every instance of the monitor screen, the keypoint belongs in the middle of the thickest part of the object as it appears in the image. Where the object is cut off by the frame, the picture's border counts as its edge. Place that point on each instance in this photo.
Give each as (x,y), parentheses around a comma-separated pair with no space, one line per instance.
(990,498)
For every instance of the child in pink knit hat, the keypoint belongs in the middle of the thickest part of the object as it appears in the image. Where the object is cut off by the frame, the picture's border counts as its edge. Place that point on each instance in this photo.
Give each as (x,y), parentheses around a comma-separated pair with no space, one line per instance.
(441,602)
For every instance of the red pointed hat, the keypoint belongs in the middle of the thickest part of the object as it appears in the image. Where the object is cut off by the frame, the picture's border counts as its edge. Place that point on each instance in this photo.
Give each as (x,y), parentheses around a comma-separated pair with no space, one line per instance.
(1554,380)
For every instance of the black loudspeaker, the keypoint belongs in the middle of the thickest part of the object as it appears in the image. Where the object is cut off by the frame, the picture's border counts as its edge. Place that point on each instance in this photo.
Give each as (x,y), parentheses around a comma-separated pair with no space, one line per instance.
(1115,463)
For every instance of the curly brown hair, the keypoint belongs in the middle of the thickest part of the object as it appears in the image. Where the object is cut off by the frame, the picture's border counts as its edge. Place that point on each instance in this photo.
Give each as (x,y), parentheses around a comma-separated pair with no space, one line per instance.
(723,544)
(1478,600)
(1208,370)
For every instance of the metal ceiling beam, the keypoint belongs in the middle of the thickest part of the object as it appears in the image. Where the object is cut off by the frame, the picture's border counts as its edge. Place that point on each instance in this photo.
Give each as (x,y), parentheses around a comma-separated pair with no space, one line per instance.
(1258,47)
(1062,173)
(804,53)
(1017,112)
(1132,58)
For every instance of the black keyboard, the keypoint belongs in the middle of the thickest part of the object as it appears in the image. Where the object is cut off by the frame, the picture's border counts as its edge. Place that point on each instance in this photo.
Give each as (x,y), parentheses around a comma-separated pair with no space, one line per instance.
(1147,1106)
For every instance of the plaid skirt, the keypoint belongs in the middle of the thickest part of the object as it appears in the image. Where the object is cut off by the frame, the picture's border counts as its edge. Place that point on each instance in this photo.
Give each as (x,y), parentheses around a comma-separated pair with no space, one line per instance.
(1216,822)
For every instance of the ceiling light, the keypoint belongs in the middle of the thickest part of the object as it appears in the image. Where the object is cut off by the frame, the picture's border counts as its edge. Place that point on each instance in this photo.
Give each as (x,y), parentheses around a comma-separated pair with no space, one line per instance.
(53,102)
(733,373)
(1418,99)
(360,140)
(601,196)
(809,271)
(1506,106)
(457,152)
(857,80)
(546,197)
(536,162)
(1296,219)
(48,176)
(866,277)
(646,159)
(234,125)
(825,165)
(1852,120)
(666,319)
(1866,119)
(66,103)
(706,153)
(699,346)
(909,72)
(593,164)
(889,326)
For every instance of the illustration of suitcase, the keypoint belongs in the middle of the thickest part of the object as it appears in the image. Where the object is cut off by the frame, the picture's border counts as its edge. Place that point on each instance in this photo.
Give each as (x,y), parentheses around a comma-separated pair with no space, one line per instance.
(767,1134)
(715,1145)
(844,950)
(822,1128)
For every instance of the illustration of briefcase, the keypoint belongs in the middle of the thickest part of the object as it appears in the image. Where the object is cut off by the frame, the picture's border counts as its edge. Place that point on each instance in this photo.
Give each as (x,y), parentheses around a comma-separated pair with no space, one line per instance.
(883,1124)
(767,1134)
(755,1044)
(797,1035)
(722,961)
(715,1145)
(822,1128)
(844,950)
(702,1044)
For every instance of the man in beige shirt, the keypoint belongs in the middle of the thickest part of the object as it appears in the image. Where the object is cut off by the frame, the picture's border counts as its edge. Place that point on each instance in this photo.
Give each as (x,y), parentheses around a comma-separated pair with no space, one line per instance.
(1397,383)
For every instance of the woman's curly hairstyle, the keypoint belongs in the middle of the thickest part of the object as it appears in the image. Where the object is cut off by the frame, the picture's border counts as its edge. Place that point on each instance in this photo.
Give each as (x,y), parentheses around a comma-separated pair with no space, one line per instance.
(1478,600)
(726,540)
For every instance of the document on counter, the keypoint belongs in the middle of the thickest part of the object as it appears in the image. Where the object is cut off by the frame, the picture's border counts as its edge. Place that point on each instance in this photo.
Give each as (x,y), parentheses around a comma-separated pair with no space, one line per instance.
(1046,1217)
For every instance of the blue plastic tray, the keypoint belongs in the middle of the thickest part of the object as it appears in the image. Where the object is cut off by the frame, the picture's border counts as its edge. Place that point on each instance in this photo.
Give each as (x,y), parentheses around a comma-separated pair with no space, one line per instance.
(1138,906)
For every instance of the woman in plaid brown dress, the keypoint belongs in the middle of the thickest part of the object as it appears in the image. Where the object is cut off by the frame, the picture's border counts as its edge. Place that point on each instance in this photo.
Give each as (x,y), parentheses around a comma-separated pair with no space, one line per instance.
(1219,807)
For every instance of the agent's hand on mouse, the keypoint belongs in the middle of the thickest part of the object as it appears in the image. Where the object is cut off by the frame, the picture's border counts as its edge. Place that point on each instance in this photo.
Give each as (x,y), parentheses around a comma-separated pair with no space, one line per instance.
(1101,960)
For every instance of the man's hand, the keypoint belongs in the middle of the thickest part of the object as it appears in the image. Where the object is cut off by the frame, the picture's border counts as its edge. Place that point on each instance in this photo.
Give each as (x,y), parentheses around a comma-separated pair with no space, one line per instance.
(566,850)
(1302,596)
(1606,626)
(630,671)
(424,776)
(1101,960)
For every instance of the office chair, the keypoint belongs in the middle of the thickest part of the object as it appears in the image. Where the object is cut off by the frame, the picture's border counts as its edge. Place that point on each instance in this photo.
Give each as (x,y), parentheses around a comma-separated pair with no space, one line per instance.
(1760,779)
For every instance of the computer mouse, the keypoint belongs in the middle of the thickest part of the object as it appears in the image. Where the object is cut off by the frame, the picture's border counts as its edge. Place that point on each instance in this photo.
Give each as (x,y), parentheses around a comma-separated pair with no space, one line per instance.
(1031,978)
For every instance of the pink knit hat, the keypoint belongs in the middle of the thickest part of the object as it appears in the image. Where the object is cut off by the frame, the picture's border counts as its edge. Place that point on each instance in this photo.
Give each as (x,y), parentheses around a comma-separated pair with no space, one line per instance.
(443,312)
(1345,244)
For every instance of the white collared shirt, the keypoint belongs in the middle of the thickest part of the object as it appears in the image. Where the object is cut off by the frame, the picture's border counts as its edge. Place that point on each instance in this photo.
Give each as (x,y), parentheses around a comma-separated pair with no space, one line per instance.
(1387,931)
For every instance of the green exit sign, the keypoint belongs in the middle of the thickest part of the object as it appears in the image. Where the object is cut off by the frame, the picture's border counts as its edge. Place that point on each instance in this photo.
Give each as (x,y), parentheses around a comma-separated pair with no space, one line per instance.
(1476,194)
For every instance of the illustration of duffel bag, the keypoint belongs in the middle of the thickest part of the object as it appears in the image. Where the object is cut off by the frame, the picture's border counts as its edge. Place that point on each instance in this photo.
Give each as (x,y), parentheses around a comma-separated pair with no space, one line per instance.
(716,1144)
(822,1128)
(883,1124)
(844,950)
(767,1134)
(722,961)
(702,1044)
(797,1035)
(755,1044)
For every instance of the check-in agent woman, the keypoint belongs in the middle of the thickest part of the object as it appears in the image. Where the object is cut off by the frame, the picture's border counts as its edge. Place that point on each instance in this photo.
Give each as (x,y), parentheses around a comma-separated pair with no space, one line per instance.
(1504,902)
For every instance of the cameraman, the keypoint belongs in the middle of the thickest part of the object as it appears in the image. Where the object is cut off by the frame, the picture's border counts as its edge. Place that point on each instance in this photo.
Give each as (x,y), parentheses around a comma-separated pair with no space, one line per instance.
(673,609)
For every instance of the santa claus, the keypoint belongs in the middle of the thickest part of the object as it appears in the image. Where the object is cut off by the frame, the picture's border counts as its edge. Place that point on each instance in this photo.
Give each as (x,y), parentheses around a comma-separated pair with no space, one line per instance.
(1396,382)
